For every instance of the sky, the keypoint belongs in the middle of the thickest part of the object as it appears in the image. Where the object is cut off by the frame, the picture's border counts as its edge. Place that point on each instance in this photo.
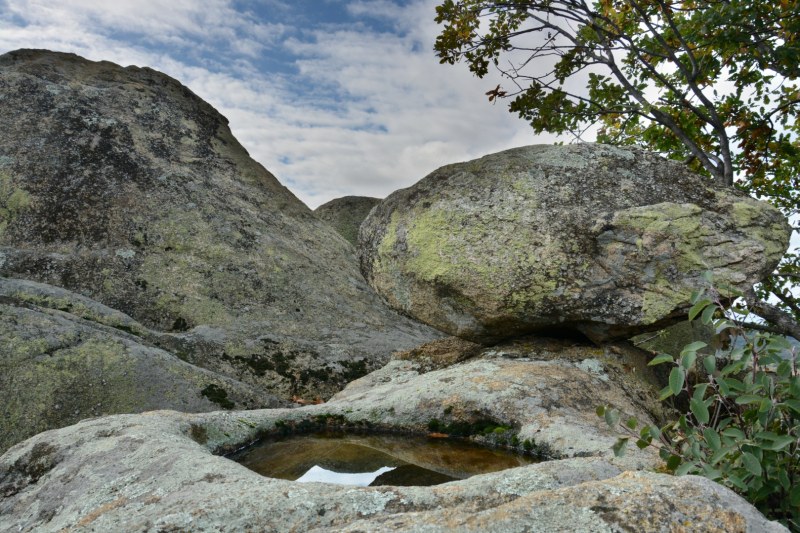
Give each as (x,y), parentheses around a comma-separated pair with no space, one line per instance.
(334,97)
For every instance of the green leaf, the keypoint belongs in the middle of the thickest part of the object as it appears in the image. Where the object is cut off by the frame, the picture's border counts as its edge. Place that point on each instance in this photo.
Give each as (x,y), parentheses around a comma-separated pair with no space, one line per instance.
(601,410)
(720,454)
(794,496)
(783,478)
(661,358)
(684,469)
(673,462)
(751,463)
(698,307)
(711,473)
(721,325)
(612,417)
(793,404)
(766,405)
(665,393)
(736,433)
(654,432)
(766,435)
(779,443)
(632,423)
(737,482)
(699,410)
(712,439)
(642,444)
(700,391)
(735,384)
(710,364)
(688,359)
(619,447)
(696,295)
(784,369)
(693,347)
(676,380)
(708,314)
(745,399)
(663,453)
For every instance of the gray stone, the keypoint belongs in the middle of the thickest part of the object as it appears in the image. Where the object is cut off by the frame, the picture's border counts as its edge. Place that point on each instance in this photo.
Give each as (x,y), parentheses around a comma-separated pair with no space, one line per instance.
(66,358)
(602,240)
(346,214)
(162,470)
(123,187)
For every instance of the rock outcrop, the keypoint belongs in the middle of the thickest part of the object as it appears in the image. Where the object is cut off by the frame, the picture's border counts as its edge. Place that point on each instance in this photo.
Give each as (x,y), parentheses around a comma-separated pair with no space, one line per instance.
(66,357)
(147,262)
(121,185)
(160,471)
(602,240)
(346,214)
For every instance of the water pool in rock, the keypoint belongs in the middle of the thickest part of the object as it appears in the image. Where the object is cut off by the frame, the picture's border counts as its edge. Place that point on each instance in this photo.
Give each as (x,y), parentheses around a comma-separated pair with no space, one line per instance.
(372,460)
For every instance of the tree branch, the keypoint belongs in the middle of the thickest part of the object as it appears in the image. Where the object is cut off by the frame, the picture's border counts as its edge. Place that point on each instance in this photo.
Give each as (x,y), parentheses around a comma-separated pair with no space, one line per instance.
(783,321)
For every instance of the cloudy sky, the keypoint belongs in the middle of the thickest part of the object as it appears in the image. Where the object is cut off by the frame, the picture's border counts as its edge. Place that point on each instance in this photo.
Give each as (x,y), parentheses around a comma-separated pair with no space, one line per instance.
(334,97)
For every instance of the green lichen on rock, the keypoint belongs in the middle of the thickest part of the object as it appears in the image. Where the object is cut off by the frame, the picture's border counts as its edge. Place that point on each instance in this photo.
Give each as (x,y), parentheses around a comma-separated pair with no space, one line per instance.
(57,368)
(581,239)
(747,214)
(13,201)
(432,255)
(153,209)
(31,293)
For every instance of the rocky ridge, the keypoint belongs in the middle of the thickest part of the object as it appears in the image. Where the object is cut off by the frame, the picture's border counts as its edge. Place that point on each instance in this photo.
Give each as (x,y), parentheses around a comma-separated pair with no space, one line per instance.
(126,191)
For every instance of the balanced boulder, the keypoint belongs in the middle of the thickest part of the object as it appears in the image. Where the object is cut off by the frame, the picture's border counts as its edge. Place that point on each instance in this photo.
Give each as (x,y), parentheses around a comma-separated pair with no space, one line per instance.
(604,241)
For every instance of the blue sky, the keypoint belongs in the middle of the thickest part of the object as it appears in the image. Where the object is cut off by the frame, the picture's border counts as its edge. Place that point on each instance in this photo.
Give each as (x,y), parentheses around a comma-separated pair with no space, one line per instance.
(334,97)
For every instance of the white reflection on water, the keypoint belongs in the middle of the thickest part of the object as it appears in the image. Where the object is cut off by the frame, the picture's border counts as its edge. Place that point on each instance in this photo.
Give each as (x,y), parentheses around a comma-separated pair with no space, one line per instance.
(318,474)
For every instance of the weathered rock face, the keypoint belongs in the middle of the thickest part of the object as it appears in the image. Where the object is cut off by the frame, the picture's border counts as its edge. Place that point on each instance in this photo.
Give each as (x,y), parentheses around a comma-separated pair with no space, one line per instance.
(65,358)
(603,240)
(122,186)
(158,471)
(346,214)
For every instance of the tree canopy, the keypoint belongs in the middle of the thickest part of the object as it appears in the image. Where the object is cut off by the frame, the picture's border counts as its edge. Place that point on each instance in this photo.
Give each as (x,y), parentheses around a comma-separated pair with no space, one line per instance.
(711,82)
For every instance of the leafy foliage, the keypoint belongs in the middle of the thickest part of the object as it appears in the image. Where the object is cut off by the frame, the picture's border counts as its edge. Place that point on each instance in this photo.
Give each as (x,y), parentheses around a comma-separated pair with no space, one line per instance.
(742,426)
(684,77)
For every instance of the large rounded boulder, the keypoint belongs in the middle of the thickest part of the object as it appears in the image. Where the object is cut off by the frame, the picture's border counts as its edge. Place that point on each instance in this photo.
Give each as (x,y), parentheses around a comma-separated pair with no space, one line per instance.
(587,238)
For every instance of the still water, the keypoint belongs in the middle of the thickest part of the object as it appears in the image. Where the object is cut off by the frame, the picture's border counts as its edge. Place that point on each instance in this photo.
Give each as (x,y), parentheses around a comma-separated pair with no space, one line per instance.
(372,460)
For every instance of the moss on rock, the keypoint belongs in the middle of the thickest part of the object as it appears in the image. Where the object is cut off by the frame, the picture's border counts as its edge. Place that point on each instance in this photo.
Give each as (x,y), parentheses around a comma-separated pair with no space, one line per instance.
(582,239)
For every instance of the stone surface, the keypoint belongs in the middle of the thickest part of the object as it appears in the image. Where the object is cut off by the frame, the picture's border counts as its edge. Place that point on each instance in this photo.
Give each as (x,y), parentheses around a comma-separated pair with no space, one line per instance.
(122,186)
(160,471)
(346,214)
(65,358)
(602,240)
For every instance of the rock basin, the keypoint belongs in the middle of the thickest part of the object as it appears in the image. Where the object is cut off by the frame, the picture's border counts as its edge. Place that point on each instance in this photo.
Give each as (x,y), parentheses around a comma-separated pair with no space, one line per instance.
(374,459)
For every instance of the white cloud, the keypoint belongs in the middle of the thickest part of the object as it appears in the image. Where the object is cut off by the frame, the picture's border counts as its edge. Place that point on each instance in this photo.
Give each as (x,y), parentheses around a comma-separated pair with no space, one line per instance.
(367,112)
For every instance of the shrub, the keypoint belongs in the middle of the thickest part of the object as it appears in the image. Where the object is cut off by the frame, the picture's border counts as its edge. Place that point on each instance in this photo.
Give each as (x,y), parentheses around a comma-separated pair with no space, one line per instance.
(741,426)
